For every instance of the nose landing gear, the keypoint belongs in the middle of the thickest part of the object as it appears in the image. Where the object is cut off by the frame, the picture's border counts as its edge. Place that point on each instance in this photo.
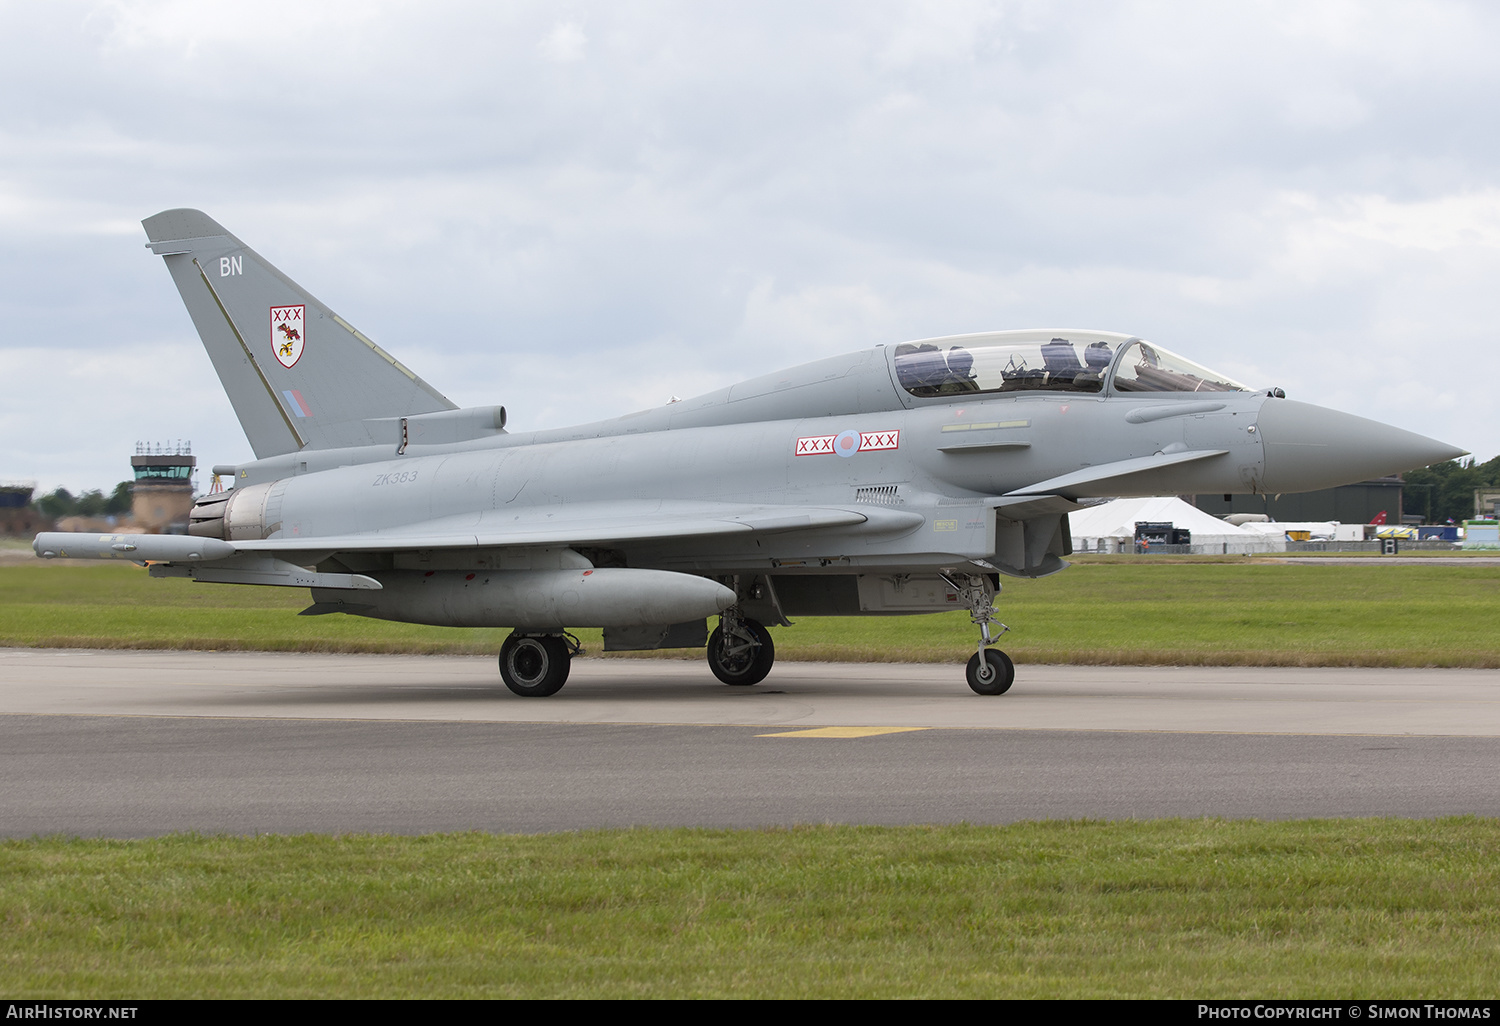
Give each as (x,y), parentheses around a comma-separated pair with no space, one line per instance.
(990,671)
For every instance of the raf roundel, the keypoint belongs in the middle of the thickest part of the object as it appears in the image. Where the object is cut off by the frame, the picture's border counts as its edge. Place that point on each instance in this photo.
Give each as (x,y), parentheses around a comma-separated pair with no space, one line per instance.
(847,443)
(288,334)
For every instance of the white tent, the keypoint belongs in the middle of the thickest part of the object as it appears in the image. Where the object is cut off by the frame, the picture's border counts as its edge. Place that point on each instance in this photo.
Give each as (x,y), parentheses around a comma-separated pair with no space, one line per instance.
(1110,527)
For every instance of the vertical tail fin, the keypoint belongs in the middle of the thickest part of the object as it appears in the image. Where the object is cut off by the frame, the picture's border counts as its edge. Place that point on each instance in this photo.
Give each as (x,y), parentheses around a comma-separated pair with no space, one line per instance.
(299,376)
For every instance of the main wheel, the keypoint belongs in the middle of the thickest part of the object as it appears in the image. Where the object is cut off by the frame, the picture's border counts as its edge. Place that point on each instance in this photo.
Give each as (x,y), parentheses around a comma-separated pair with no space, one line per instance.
(746,663)
(534,666)
(994,676)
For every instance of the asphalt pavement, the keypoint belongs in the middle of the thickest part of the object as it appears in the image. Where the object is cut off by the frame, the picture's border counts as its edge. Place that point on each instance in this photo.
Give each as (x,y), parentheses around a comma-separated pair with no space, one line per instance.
(142,743)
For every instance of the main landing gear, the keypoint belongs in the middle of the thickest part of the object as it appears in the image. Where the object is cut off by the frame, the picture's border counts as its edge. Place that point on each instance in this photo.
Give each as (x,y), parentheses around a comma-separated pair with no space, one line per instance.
(739,650)
(990,671)
(536,665)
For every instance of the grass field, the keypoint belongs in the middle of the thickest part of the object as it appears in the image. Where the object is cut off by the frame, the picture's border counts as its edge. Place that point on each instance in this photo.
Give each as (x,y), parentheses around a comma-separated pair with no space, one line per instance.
(1191,612)
(1184,909)
(1354,908)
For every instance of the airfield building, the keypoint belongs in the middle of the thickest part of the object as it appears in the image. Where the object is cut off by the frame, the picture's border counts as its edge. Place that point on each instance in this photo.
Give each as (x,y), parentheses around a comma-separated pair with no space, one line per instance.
(162,495)
(17,516)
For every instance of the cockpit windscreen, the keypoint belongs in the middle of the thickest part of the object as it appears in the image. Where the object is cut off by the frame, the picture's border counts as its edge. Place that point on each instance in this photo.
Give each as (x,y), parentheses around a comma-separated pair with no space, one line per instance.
(1148,368)
(1029,361)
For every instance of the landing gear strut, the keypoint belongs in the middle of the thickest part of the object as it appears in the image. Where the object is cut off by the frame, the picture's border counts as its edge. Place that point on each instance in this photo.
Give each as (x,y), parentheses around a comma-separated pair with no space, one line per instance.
(739,650)
(990,671)
(536,665)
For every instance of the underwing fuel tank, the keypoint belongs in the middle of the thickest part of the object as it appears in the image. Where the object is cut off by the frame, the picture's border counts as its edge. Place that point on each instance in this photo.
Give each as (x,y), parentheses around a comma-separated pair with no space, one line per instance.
(536,599)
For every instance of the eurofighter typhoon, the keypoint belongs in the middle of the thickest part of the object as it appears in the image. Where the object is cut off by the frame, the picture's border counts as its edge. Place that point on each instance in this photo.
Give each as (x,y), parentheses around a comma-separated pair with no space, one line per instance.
(900,479)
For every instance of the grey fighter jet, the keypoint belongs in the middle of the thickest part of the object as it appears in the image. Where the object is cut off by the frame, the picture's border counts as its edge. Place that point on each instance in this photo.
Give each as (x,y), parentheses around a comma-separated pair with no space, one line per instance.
(900,479)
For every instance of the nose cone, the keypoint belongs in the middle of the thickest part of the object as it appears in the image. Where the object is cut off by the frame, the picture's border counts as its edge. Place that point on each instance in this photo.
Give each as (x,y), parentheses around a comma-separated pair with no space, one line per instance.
(1307,447)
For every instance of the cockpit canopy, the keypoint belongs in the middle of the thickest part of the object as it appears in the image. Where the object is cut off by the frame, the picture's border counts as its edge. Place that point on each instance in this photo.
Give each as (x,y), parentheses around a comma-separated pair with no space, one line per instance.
(1046,361)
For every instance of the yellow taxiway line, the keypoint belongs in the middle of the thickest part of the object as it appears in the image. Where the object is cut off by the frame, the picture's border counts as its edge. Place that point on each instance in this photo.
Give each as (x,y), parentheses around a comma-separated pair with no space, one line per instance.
(844,732)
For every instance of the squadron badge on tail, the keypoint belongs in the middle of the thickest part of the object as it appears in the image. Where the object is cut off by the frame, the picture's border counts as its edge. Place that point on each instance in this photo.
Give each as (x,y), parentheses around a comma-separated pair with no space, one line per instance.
(288,331)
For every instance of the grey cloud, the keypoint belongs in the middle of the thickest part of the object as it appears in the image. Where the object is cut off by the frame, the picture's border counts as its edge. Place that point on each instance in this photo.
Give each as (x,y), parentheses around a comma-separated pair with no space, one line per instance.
(639,200)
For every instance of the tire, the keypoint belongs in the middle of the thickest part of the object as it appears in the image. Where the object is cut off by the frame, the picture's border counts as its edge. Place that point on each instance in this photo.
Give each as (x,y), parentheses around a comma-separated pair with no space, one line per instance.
(534,666)
(743,668)
(1002,673)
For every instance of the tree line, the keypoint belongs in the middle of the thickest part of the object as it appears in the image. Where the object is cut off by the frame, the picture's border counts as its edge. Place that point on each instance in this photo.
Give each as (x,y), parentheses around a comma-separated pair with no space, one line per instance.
(94,503)
(1445,491)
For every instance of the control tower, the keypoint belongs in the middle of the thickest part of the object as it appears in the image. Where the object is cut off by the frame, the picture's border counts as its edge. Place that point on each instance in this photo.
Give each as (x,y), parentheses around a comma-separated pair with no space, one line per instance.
(162,494)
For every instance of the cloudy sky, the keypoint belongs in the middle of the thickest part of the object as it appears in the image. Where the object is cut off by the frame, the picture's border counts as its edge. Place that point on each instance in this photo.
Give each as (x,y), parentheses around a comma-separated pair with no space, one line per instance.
(582,209)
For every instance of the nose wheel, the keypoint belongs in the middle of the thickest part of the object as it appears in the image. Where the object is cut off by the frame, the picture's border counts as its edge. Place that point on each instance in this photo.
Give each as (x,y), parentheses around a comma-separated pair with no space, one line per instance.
(536,665)
(990,671)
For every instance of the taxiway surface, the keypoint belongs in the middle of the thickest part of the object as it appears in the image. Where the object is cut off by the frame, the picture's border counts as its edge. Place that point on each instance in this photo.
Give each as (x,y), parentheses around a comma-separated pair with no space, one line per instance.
(142,743)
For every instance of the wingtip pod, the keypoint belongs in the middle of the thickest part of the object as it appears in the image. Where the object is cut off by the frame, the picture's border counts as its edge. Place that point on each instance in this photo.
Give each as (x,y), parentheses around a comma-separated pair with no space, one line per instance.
(1308,447)
(138,548)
